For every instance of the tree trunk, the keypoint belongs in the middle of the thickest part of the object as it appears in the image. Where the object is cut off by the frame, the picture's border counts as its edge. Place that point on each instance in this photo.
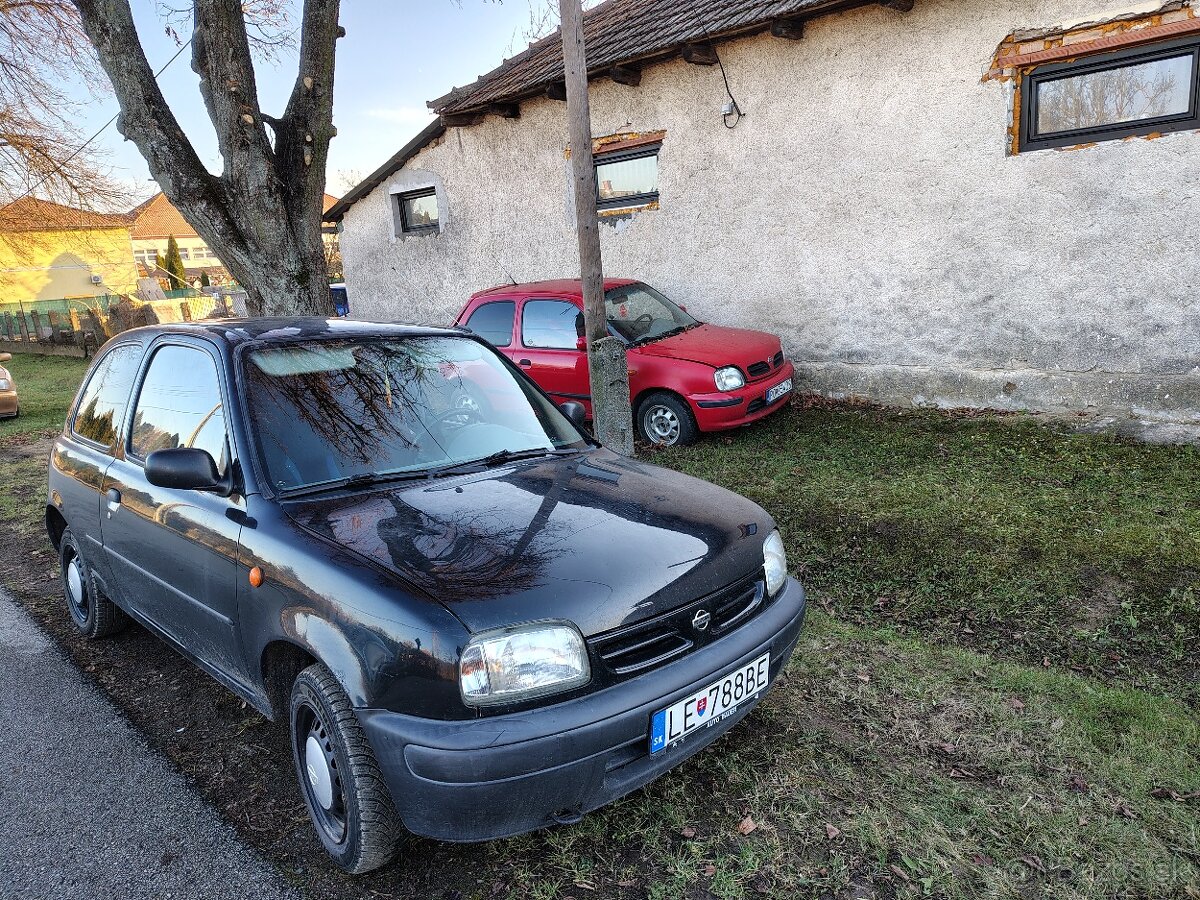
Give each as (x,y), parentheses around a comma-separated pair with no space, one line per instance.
(608,368)
(262,215)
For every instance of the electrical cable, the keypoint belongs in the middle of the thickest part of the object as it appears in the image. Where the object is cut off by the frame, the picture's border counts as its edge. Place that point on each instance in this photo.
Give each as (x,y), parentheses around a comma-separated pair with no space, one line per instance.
(737,110)
(103,127)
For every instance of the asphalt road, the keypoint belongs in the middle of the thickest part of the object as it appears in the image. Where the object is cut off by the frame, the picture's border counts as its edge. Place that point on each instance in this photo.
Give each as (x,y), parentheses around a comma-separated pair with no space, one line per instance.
(87,809)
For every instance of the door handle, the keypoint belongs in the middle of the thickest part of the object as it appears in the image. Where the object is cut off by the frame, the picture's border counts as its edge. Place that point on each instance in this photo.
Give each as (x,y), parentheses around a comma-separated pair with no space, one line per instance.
(113,495)
(524,363)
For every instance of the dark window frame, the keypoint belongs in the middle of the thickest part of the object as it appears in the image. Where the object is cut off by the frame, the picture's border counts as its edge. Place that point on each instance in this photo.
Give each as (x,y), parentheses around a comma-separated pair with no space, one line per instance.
(1030,140)
(633,200)
(408,228)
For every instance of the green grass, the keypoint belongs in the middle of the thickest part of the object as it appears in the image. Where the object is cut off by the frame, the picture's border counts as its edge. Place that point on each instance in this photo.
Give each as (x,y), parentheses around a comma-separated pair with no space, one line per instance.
(994,696)
(1000,533)
(46,386)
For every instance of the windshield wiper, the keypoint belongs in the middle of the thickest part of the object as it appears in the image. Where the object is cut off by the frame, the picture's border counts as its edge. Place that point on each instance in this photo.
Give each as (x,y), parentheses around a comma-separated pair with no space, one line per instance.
(501,456)
(353,482)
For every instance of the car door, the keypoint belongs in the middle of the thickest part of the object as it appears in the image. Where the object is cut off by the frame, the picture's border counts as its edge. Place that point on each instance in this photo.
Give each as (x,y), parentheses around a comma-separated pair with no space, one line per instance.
(80,460)
(173,553)
(549,351)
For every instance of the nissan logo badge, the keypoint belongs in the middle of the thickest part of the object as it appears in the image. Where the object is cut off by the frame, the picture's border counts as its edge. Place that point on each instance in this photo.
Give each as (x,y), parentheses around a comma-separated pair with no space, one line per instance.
(701,619)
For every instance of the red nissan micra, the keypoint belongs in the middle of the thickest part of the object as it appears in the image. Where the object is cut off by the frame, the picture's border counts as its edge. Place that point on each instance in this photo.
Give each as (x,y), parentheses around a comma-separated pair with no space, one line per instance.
(684,376)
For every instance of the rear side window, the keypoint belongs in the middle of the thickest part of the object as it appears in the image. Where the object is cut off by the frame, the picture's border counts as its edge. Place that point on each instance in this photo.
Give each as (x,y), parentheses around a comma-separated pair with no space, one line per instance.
(180,406)
(494,322)
(551,324)
(102,405)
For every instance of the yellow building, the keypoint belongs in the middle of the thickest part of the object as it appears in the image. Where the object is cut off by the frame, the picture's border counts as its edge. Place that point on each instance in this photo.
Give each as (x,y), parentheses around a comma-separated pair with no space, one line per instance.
(49,251)
(155,222)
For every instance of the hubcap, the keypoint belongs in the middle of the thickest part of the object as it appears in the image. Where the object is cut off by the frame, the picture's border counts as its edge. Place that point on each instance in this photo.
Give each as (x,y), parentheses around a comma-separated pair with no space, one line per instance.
(320,779)
(662,425)
(76,592)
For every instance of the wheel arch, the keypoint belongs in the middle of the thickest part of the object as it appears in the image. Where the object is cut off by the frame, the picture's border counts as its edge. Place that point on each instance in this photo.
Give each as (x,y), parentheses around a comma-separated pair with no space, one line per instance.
(280,662)
(55,526)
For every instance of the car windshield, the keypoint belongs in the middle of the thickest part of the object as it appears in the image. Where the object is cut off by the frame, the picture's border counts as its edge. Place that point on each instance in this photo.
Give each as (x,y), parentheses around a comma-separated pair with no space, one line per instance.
(638,313)
(326,412)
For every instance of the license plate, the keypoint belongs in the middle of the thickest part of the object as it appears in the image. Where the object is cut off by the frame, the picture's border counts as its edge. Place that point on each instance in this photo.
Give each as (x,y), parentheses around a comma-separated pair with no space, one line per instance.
(710,705)
(778,391)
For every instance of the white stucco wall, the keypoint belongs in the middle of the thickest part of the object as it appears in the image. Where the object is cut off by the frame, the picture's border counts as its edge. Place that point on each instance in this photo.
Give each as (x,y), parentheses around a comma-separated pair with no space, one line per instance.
(865,209)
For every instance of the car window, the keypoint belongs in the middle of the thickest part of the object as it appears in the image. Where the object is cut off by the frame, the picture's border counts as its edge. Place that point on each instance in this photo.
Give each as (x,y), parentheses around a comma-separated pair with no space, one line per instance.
(334,409)
(551,324)
(494,322)
(102,405)
(180,406)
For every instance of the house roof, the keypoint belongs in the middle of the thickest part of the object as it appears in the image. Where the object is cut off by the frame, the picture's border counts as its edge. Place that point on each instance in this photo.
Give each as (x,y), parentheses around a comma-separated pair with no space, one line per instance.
(157,218)
(617,32)
(32,214)
(620,32)
(432,132)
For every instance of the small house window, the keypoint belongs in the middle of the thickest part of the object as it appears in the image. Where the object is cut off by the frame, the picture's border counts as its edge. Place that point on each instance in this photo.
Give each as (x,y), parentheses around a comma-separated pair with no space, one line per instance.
(627,179)
(418,211)
(1098,98)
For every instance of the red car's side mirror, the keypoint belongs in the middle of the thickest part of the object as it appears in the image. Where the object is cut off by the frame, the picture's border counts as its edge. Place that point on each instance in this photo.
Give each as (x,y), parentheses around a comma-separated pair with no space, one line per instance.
(581,344)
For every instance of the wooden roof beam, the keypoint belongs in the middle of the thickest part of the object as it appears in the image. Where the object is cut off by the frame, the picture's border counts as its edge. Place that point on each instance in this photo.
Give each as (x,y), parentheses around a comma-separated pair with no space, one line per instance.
(461,120)
(506,110)
(630,75)
(557,90)
(700,54)
(790,29)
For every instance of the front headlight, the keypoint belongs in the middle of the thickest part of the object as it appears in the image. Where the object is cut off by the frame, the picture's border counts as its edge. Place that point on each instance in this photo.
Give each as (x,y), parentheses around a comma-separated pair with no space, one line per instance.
(522,662)
(774,562)
(5,384)
(729,378)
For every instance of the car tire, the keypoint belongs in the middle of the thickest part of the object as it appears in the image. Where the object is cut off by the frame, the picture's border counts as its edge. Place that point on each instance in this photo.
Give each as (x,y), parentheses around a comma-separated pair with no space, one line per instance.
(343,788)
(93,614)
(664,420)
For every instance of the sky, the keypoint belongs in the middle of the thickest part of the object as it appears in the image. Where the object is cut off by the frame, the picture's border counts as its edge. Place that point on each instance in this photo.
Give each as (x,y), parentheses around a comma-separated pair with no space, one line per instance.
(396,55)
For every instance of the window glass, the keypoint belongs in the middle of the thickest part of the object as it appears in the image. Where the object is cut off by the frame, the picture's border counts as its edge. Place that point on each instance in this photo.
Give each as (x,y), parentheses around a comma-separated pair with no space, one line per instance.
(180,406)
(1147,90)
(419,210)
(494,322)
(638,313)
(622,180)
(102,406)
(551,324)
(334,409)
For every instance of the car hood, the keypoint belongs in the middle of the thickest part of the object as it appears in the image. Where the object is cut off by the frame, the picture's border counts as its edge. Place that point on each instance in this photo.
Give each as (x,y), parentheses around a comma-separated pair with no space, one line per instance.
(716,346)
(597,539)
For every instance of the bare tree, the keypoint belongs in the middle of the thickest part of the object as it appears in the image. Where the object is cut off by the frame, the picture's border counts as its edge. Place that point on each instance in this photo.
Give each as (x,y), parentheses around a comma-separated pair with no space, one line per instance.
(262,214)
(42,152)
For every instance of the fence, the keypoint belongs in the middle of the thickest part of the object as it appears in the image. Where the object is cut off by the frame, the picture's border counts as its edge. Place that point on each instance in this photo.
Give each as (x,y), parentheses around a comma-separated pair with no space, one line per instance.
(81,325)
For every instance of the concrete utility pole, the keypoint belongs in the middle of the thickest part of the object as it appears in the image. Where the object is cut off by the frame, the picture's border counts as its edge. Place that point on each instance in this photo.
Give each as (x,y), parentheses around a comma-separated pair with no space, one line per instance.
(607,366)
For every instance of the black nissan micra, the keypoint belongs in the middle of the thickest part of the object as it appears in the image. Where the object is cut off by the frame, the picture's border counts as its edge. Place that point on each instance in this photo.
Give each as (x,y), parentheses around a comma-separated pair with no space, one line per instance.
(476,621)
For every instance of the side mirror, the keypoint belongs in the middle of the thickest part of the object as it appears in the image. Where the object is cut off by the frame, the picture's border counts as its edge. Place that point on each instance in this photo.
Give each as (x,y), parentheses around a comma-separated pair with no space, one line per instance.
(5,357)
(185,469)
(581,344)
(573,411)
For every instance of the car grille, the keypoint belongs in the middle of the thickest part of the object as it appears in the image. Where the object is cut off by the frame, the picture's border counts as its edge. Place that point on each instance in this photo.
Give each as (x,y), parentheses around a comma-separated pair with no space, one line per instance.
(634,649)
(759,369)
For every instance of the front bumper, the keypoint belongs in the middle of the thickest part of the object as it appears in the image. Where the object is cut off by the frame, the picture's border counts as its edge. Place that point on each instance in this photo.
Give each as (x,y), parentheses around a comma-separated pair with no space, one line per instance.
(488,778)
(729,409)
(8,403)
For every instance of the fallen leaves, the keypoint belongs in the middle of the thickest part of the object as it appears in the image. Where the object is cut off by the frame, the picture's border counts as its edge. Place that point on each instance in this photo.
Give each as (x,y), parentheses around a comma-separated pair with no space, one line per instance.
(832,831)
(746,826)
(1165,793)
(1078,784)
(687,832)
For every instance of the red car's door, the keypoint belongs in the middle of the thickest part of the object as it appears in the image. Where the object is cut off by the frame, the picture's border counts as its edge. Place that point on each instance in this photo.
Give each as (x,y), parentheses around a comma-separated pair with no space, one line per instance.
(548,349)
